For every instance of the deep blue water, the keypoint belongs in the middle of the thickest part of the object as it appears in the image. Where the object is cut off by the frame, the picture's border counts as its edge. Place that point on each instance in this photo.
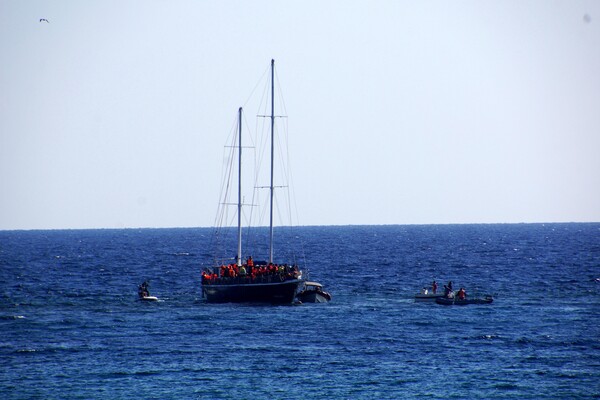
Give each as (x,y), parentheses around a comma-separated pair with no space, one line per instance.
(71,326)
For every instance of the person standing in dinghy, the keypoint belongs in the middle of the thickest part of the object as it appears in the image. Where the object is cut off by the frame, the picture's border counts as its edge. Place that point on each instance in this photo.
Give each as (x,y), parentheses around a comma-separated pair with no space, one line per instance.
(143,290)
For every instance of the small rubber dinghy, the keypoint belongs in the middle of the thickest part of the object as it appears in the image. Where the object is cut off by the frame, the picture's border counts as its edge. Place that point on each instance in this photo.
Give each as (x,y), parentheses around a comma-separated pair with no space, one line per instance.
(428,294)
(313,293)
(429,297)
(458,302)
(144,293)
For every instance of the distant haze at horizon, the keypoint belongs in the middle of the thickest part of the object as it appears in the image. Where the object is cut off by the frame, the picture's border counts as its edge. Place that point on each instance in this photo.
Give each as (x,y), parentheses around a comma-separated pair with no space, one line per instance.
(115,114)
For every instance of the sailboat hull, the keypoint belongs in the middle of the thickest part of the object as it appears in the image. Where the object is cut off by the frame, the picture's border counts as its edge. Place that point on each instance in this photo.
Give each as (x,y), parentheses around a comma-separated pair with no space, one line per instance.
(272,293)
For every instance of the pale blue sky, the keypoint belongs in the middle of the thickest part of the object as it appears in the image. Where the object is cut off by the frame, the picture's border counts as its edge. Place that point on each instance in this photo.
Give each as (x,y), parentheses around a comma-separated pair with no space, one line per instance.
(115,113)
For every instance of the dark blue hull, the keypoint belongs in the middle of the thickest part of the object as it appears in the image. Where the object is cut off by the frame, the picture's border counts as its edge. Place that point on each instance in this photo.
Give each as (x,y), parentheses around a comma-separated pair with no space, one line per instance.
(272,293)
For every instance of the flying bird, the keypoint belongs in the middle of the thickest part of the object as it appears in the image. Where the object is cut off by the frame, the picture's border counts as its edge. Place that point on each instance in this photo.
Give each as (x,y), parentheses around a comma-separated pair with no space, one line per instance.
(44,20)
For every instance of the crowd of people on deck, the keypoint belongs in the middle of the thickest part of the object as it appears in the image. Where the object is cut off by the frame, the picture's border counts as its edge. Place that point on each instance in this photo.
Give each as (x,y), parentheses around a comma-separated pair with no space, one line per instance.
(250,273)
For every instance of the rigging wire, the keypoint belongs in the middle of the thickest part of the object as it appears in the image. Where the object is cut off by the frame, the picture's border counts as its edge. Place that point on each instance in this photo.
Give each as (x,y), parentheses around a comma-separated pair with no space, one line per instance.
(260,142)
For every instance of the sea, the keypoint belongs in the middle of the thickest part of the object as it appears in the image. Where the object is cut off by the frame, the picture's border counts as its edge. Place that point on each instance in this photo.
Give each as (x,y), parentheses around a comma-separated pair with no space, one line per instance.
(72,327)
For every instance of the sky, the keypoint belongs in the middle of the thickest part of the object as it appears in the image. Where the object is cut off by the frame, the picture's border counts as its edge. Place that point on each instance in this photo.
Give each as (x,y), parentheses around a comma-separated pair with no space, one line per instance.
(114,114)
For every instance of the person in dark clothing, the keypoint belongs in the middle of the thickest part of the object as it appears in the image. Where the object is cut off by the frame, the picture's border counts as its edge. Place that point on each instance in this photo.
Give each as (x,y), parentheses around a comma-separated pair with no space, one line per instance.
(143,289)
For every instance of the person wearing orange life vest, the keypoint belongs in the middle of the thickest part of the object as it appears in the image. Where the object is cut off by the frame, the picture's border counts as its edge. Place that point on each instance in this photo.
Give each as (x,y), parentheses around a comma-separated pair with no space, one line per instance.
(462,294)
(250,262)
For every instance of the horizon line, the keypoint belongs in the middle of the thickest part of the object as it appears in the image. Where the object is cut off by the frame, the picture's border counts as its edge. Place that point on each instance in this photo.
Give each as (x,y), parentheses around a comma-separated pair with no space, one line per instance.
(299,226)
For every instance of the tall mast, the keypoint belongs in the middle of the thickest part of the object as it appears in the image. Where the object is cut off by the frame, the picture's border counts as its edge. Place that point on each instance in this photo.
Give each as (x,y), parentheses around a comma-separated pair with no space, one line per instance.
(239,245)
(272,158)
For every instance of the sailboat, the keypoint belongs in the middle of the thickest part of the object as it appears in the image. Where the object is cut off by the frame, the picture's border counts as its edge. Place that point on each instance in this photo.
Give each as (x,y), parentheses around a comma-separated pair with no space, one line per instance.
(246,280)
